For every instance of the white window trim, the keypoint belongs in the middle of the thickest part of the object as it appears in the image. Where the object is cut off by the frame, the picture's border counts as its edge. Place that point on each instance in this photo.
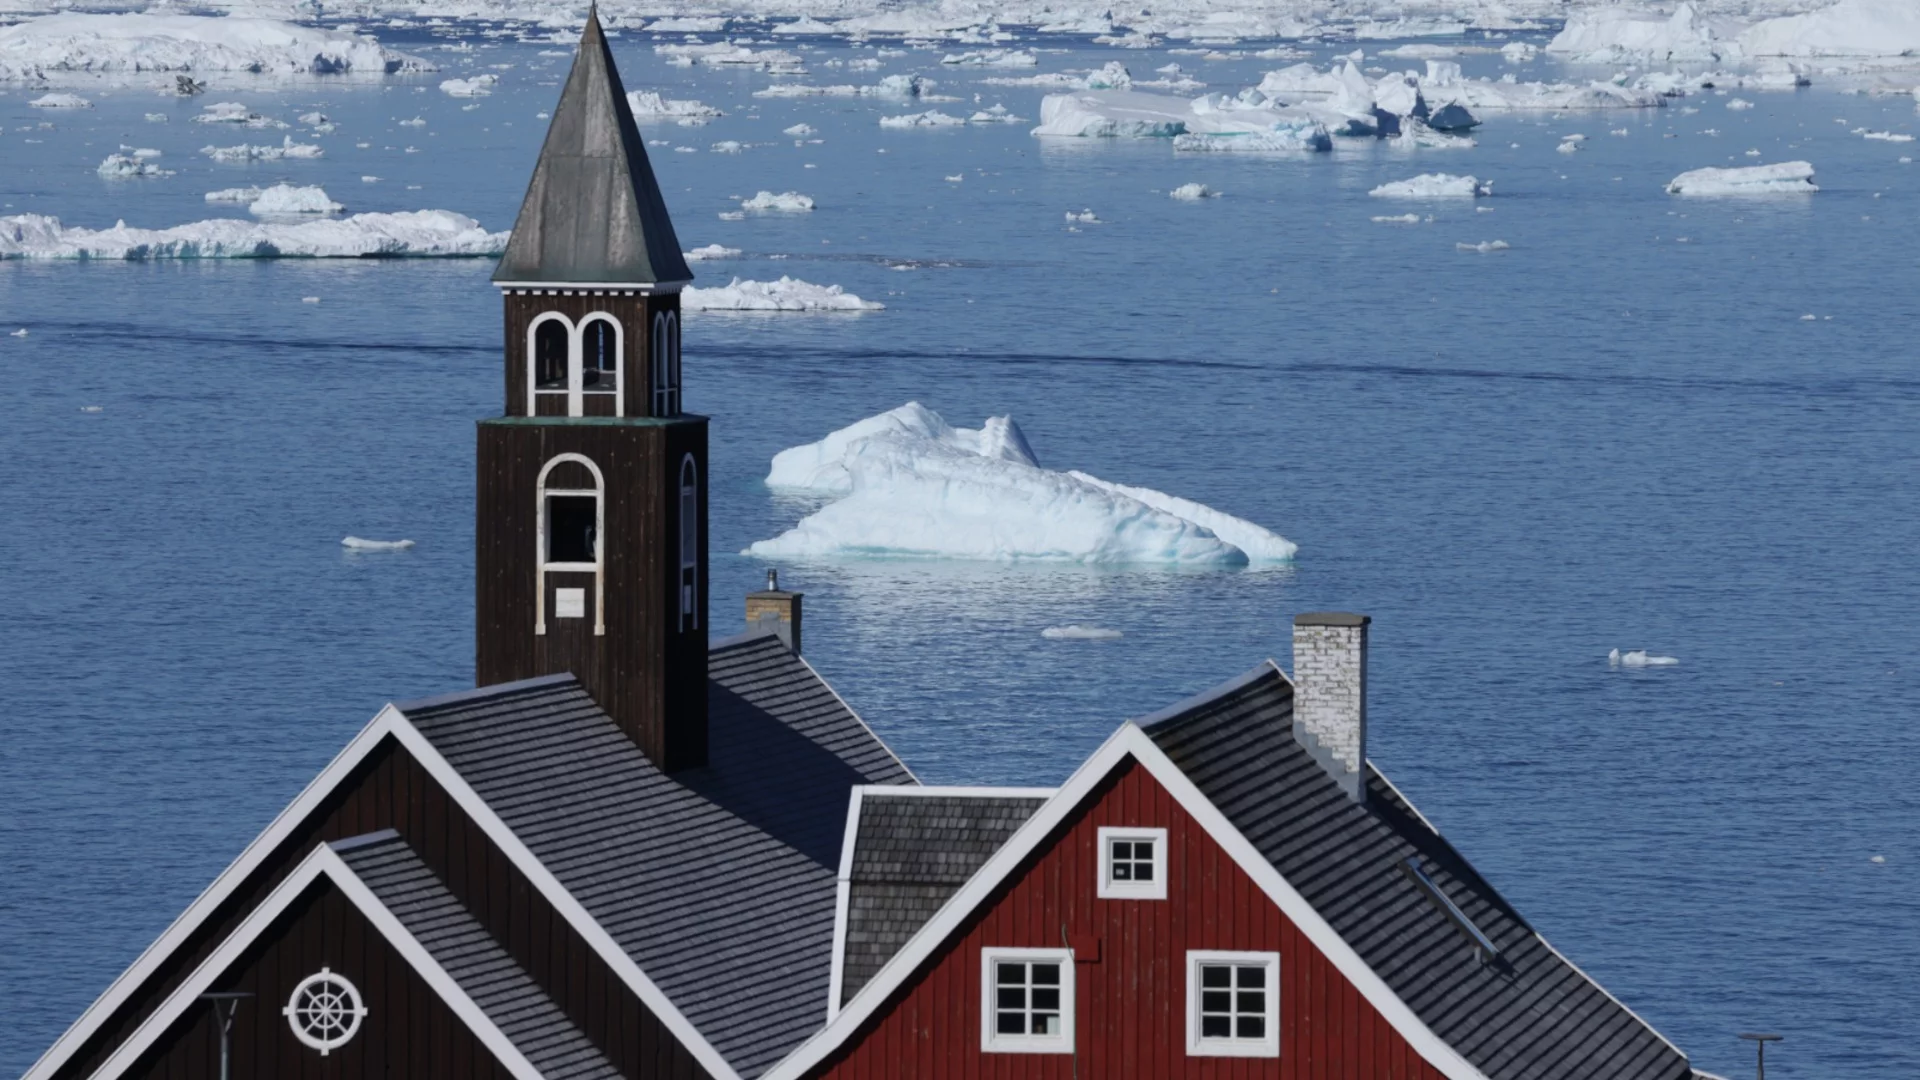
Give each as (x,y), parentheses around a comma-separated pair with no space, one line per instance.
(1133,890)
(578,376)
(533,358)
(994,1043)
(1268,1047)
(597,567)
(689,592)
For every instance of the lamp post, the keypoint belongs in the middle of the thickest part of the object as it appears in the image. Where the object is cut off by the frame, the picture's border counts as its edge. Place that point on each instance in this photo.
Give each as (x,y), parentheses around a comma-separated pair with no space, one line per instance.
(1760,1041)
(225,1004)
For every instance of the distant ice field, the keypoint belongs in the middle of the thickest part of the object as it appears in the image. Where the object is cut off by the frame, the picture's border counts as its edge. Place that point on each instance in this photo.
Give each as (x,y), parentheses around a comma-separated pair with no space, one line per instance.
(1688,426)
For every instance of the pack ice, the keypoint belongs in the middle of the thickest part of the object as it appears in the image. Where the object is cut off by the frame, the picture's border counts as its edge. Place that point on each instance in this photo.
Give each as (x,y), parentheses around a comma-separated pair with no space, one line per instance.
(1786,178)
(133,43)
(786,294)
(420,233)
(906,484)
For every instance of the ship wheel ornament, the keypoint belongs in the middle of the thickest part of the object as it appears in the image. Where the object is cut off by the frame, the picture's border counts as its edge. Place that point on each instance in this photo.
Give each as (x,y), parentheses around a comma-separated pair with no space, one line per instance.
(324,1011)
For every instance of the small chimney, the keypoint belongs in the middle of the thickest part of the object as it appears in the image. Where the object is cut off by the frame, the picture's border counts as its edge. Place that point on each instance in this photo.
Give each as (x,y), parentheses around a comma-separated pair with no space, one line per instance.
(1330,694)
(776,612)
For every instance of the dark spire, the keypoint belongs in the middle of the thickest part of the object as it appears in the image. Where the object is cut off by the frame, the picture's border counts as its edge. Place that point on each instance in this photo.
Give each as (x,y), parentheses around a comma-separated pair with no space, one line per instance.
(593,213)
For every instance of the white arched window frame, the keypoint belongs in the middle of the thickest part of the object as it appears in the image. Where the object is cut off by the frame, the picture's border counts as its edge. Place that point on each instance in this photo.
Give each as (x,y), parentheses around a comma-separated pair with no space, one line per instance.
(673,362)
(599,564)
(657,367)
(533,358)
(577,371)
(689,544)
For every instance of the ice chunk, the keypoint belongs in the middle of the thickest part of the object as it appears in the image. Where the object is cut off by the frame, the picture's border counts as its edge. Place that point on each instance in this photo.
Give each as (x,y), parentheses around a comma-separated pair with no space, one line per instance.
(287,199)
(895,86)
(1738,104)
(1484,247)
(60,101)
(910,485)
(1113,76)
(22,332)
(117,44)
(649,105)
(993,58)
(234,195)
(1786,178)
(711,251)
(1887,136)
(1193,192)
(799,131)
(478,86)
(1622,34)
(421,233)
(995,115)
(727,146)
(1638,658)
(1434,186)
(930,118)
(1077,632)
(1848,28)
(1304,135)
(124,165)
(787,201)
(287,149)
(786,294)
(1085,217)
(232,112)
(1113,113)
(1398,219)
(355,543)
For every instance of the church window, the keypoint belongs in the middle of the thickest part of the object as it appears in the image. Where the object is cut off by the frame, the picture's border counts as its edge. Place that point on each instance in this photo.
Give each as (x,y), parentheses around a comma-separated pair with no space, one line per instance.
(689,544)
(572,528)
(550,355)
(572,532)
(324,1011)
(666,364)
(599,354)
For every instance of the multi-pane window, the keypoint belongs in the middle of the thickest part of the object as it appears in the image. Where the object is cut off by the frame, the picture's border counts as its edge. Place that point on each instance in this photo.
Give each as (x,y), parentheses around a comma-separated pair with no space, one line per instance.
(1133,864)
(550,347)
(666,364)
(1027,1001)
(689,545)
(1233,1004)
(599,356)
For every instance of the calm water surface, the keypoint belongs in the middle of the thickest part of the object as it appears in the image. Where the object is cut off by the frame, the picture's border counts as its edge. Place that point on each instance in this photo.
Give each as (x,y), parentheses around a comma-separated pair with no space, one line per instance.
(1621,432)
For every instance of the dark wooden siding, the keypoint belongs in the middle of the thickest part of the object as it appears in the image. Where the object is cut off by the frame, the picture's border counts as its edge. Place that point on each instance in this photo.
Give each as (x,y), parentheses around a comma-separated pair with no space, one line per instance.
(647,673)
(408,1033)
(1130,1018)
(391,790)
(635,310)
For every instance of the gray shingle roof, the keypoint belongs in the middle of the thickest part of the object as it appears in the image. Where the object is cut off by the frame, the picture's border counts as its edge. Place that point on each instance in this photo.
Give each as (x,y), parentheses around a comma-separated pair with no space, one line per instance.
(593,212)
(478,963)
(718,881)
(910,854)
(1529,1016)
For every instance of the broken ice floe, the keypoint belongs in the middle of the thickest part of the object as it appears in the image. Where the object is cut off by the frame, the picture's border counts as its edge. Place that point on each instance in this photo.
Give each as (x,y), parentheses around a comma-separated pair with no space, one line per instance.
(233,112)
(789,201)
(711,251)
(288,199)
(116,44)
(786,294)
(355,543)
(907,484)
(418,234)
(129,165)
(1785,178)
(1434,186)
(287,149)
(60,101)
(1077,632)
(895,86)
(649,105)
(477,86)
(1638,658)
(1193,192)
(932,118)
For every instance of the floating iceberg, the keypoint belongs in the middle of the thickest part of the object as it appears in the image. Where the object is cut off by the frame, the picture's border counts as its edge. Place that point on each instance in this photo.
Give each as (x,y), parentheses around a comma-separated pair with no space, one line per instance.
(993,58)
(136,43)
(907,484)
(1192,192)
(1786,178)
(895,86)
(478,86)
(287,199)
(646,104)
(421,233)
(1434,186)
(1113,114)
(1639,658)
(234,195)
(790,201)
(119,165)
(1077,632)
(1211,122)
(60,101)
(1484,247)
(1623,34)
(287,149)
(930,118)
(711,251)
(1309,136)
(1848,28)
(786,294)
(355,543)
(232,112)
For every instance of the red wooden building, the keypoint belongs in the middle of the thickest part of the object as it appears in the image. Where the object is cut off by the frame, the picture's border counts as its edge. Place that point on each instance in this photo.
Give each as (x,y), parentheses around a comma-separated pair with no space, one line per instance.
(636,852)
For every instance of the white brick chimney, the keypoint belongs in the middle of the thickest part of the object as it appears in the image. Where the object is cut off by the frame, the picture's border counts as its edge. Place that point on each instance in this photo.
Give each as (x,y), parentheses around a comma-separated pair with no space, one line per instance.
(1330,694)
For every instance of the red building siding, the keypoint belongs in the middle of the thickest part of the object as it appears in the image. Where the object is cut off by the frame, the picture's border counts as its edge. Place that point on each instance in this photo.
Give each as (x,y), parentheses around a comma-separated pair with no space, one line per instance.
(1130,1018)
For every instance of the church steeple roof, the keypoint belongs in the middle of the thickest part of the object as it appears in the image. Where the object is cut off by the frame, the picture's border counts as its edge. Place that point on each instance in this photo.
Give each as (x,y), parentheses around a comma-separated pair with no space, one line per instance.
(593,213)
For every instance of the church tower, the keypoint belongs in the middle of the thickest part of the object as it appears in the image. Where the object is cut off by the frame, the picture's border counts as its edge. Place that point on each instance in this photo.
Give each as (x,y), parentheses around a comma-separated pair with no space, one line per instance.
(592,532)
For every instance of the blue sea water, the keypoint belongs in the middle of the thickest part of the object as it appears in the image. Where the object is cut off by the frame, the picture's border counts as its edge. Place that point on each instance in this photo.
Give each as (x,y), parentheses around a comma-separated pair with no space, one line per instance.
(1621,432)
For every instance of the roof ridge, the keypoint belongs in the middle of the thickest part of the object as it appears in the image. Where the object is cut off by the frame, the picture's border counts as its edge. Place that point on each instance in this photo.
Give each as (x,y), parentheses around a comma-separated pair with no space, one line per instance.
(1164,718)
(484,693)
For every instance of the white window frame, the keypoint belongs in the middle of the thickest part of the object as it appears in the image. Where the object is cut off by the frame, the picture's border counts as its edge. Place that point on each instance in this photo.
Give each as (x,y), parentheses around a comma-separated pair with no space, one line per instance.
(689,577)
(1198,1046)
(599,564)
(664,383)
(991,1041)
(577,375)
(533,360)
(1133,890)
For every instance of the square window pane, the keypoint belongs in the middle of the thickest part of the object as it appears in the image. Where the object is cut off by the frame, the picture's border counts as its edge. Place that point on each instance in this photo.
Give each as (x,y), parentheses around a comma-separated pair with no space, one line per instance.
(1216,1027)
(571,520)
(1253,978)
(1010,973)
(1143,872)
(1122,871)
(1143,849)
(1012,998)
(1122,849)
(1251,1001)
(1251,1027)
(1216,1001)
(1216,976)
(1010,1023)
(1046,999)
(1046,974)
(1046,1023)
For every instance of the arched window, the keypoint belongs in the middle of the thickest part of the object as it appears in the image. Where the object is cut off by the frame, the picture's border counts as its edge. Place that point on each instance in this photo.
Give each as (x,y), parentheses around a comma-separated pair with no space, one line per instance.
(673,361)
(549,355)
(571,524)
(600,349)
(666,364)
(689,544)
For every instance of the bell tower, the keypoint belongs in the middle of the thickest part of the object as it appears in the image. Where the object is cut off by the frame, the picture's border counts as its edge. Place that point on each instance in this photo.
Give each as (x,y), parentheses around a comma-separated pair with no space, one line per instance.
(592,531)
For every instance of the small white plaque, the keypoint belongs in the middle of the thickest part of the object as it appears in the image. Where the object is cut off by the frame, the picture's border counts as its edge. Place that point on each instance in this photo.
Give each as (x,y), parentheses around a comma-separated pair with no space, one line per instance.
(569,603)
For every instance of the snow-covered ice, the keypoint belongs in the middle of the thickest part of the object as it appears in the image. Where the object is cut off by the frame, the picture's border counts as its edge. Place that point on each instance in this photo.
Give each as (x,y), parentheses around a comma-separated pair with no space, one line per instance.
(92,43)
(1484,247)
(791,201)
(907,484)
(1847,28)
(122,165)
(786,294)
(929,119)
(649,105)
(1078,632)
(1785,178)
(477,86)
(1192,192)
(1434,186)
(1638,658)
(799,131)
(355,543)
(60,101)
(287,149)
(711,251)
(287,199)
(419,233)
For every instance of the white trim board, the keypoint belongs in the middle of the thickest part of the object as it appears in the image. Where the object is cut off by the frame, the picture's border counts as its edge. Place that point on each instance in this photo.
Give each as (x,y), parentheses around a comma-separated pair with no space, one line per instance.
(1130,741)
(322,862)
(391,722)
